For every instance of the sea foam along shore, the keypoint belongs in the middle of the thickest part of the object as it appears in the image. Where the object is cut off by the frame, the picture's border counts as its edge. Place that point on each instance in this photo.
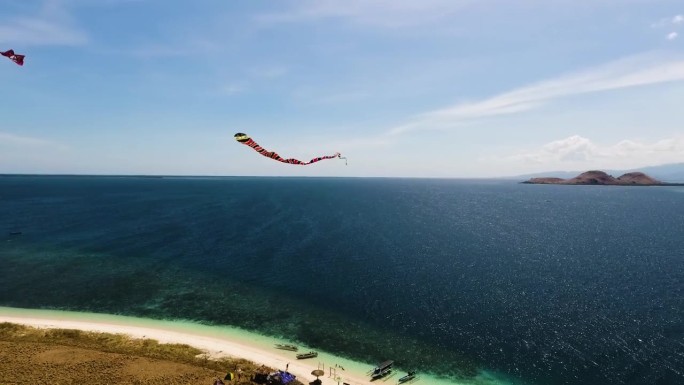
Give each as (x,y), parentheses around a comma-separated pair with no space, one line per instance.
(215,341)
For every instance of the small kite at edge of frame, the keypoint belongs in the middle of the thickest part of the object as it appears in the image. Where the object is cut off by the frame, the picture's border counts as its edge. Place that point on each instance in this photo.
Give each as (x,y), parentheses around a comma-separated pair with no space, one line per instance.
(19,59)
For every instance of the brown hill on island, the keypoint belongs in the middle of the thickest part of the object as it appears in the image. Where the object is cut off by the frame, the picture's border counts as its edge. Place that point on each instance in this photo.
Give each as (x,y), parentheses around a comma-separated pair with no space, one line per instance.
(601,178)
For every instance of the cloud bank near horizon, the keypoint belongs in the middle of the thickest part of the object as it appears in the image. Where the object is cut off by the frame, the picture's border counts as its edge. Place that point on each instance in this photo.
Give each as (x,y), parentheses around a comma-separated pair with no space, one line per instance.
(578,152)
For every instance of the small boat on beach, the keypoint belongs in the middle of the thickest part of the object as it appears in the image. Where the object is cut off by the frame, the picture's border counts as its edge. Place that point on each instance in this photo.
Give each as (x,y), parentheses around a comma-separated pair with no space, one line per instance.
(307,355)
(289,347)
(410,376)
(382,370)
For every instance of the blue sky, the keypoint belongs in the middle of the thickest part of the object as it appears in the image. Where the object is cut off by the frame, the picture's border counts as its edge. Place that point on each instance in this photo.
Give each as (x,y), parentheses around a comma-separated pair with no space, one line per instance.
(432,88)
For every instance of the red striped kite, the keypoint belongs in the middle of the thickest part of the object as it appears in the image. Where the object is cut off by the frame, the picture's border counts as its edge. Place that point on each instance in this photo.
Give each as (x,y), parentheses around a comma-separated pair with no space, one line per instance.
(246,140)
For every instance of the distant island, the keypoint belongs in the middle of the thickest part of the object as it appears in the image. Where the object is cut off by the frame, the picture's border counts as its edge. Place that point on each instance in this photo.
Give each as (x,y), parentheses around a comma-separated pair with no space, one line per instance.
(601,178)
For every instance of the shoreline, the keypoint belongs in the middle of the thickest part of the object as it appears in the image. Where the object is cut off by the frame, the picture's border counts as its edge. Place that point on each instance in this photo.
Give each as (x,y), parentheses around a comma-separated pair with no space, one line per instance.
(218,342)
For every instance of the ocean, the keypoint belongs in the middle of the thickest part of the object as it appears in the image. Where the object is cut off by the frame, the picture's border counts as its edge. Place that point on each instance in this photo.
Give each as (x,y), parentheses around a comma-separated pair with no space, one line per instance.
(530,284)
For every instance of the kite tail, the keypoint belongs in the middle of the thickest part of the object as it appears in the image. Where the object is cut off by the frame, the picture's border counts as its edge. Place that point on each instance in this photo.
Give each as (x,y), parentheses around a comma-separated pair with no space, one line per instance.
(314,160)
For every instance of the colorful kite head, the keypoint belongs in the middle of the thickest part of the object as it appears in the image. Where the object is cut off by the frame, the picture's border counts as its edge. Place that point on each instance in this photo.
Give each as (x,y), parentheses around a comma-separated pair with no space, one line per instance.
(246,140)
(19,59)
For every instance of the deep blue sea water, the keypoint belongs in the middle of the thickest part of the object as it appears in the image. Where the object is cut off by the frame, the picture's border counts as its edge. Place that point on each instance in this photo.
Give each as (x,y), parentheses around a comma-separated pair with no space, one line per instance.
(549,284)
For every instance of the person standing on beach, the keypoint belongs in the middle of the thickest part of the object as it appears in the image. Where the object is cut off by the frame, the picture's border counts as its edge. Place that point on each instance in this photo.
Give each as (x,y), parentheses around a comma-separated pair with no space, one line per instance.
(287,366)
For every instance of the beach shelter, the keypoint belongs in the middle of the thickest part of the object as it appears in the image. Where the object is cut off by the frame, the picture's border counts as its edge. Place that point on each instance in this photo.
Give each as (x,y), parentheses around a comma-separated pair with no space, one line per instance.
(286,377)
(230,376)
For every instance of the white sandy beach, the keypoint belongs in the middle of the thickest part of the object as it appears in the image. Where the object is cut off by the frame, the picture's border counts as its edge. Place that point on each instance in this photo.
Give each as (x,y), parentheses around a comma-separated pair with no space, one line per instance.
(251,347)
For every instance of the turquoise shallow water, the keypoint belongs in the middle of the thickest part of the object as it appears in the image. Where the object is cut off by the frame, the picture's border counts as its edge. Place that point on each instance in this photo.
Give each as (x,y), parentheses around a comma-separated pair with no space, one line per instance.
(542,284)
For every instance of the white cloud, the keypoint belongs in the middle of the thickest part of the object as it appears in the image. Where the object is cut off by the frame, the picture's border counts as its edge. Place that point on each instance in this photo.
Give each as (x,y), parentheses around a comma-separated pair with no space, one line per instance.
(39,31)
(630,72)
(672,23)
(186,47)
(10,141)
(51,26)
(232,89)
(579,152)
(268,72)
(667,22)
(342,97)
(385,13)
(573,148)
(104,2)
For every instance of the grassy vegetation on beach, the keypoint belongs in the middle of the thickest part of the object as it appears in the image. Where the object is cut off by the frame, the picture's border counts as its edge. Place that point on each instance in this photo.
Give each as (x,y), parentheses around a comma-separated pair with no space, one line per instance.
(66,356)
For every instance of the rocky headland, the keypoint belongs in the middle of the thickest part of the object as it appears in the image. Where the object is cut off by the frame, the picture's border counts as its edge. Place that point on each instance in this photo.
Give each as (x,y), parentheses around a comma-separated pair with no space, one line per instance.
(601,178)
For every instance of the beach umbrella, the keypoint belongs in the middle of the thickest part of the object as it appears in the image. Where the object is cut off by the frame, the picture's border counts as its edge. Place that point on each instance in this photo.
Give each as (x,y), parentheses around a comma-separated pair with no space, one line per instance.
(318,372)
